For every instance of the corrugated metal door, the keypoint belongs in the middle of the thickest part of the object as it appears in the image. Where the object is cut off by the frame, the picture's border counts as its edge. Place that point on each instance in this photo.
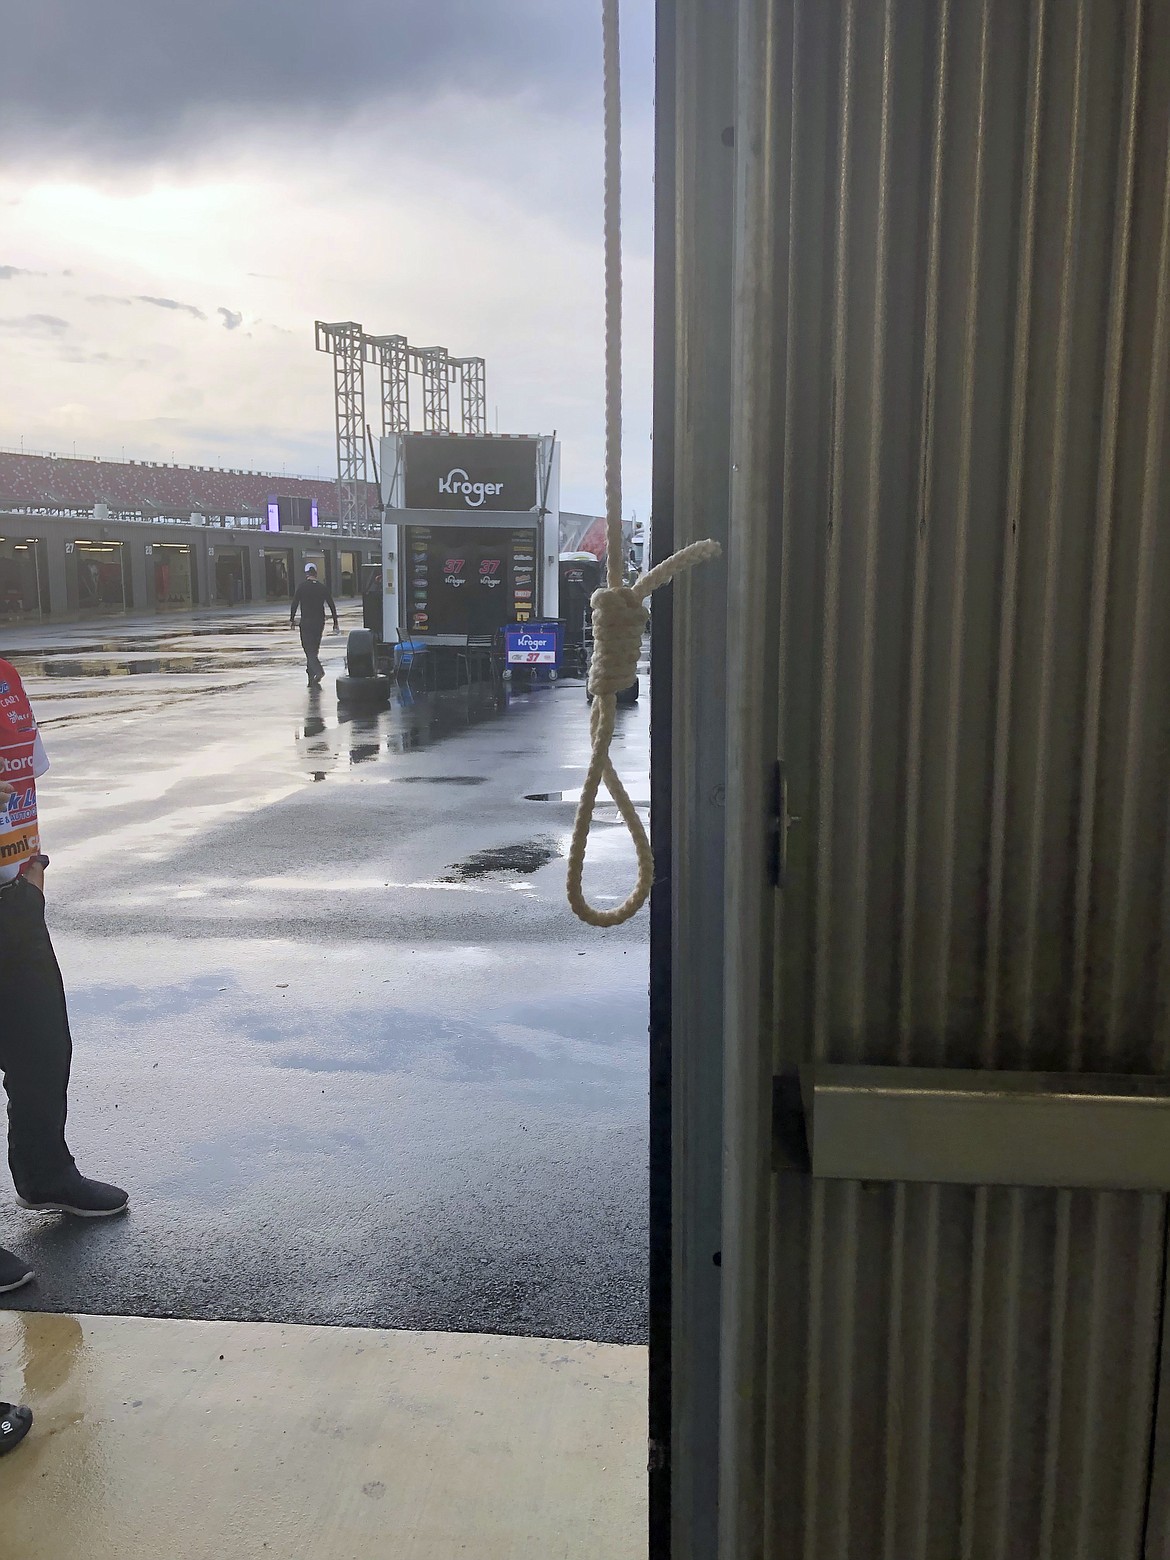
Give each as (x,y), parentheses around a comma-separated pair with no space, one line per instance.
(950,620)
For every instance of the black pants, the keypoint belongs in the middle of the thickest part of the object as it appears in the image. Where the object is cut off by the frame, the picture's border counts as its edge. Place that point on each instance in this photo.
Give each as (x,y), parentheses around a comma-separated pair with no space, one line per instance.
(311,644)
(35,1044)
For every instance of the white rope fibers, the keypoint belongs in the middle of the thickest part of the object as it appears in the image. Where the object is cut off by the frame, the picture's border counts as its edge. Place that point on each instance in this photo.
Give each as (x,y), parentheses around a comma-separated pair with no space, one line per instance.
(619,611)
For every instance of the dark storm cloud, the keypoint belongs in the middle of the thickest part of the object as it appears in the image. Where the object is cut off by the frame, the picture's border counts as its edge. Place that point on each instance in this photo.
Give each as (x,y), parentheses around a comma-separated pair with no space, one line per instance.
(41,326)
(231,319)
(125,76)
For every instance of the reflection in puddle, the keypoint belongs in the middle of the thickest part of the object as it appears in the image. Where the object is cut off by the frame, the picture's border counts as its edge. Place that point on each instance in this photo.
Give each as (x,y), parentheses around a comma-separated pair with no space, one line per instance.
(130,642)
(407,725)
(143,667)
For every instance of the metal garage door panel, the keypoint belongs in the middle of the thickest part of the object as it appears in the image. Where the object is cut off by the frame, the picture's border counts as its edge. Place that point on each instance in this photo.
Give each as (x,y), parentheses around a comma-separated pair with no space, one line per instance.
(965,1372)
(974,724)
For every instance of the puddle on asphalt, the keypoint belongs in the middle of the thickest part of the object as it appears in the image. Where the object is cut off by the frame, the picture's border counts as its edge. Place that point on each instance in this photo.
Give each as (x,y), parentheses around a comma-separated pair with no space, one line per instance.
(574,797)
(146,666)
(267,627)
(407,725)
(440,779)
(524,859)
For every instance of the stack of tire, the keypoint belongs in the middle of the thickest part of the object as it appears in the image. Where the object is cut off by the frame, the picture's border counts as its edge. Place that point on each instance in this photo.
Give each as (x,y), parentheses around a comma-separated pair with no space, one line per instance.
(361,682)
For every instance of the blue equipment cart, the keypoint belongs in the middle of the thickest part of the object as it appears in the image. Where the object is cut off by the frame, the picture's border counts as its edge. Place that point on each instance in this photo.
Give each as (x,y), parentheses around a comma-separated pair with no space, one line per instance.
(534,649)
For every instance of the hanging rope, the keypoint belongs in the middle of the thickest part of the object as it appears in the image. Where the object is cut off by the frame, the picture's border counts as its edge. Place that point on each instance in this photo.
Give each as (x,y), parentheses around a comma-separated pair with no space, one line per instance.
(619,611)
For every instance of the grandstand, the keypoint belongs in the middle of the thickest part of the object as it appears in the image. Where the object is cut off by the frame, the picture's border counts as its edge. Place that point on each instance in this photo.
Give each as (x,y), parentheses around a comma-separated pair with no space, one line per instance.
(153,491)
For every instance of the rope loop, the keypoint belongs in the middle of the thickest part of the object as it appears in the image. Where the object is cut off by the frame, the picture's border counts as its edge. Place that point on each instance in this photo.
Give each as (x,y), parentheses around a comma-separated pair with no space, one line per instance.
(619,621)
(619,611)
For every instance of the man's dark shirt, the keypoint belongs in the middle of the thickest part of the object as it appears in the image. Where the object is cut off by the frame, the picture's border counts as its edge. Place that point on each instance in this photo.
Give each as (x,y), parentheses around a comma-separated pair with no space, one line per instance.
(312,598)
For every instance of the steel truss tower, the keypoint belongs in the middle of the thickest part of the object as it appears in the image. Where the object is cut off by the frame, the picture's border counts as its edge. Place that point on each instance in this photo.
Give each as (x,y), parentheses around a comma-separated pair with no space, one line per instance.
(395,360)
(392,355)
(437,373)
(473,393)
(346,341)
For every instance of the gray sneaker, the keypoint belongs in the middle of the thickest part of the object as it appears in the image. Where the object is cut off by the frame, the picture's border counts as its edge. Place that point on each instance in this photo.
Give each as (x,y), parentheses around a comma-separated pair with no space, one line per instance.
(84,1198)
(14,1271)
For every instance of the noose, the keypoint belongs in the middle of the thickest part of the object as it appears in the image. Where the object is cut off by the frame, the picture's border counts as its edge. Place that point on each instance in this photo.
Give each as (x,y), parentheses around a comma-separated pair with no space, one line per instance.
(619,611)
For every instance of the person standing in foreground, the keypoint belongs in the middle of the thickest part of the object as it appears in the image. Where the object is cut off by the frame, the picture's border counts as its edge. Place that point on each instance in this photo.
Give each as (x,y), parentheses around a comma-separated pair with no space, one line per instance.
(36,1048)
(35,1045)
(312,598)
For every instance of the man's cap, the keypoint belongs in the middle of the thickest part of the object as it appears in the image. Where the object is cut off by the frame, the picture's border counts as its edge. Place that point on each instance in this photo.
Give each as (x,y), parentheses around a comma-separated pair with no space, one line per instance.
(310,568)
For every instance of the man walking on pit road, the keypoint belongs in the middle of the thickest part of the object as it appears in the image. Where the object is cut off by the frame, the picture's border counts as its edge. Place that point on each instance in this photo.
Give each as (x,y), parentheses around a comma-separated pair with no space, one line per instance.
(312,598)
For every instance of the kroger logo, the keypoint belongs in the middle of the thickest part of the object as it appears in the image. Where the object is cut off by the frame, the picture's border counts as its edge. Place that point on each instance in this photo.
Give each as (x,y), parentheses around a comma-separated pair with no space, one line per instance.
(533,641)
(457,482)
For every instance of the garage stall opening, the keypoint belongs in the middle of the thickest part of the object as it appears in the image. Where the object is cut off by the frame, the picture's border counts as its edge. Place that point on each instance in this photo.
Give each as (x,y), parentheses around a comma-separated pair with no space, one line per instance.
(23,577)
(278,572)
(98,574)
(231,575)
(173,568)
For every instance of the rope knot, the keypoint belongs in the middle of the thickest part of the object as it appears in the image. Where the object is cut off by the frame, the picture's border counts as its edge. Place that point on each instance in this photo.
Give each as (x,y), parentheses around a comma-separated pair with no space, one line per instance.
(619,621)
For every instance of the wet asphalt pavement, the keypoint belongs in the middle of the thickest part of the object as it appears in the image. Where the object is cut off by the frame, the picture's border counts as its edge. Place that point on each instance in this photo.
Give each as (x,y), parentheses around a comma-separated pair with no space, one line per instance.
(334,1024)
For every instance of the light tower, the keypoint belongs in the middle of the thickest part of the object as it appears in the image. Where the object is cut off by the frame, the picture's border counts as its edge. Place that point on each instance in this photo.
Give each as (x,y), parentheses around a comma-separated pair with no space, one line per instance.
(392,355)
(473,393)
(395,360)
(436,385)
(345,339)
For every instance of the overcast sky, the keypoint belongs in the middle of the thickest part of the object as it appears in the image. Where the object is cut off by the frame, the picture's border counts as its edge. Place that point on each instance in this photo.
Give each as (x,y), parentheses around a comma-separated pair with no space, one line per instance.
(185,187)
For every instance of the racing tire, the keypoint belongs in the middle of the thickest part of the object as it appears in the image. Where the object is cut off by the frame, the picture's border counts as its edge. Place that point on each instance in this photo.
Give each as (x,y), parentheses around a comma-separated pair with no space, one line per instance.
(626,696)
(359,653)
(363,690)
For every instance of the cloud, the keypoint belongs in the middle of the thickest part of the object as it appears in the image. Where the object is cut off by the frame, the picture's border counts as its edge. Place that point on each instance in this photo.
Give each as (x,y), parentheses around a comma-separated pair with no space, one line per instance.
(158,303)
(7,272)
(170,303)
(231,320)
(72,354)
(42,326)
(128,75)
(462,149)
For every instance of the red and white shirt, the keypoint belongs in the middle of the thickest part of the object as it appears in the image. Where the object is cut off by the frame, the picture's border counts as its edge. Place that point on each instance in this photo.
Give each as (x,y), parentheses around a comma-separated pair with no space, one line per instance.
(22,760)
